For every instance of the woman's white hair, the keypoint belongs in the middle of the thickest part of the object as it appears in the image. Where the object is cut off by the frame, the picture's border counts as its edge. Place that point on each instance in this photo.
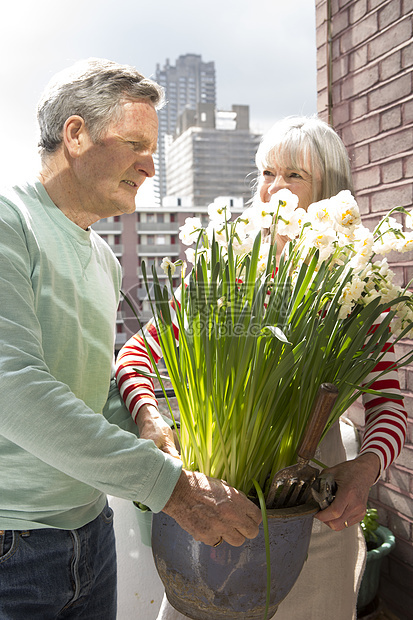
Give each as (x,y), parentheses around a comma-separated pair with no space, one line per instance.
(310,144)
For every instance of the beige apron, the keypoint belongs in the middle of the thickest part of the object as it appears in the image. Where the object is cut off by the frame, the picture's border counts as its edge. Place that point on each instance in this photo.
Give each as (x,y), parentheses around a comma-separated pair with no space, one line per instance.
(329,581)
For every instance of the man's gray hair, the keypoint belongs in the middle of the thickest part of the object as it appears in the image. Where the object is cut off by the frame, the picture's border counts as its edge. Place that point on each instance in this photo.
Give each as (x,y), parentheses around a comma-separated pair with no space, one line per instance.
(93,89)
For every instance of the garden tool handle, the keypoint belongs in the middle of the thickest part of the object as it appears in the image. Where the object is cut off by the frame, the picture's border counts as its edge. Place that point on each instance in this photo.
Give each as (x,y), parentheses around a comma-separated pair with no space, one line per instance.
(323,405)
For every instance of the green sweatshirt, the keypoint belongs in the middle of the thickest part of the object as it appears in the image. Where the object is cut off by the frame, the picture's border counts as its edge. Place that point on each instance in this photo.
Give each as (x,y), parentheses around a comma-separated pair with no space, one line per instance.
(59,456)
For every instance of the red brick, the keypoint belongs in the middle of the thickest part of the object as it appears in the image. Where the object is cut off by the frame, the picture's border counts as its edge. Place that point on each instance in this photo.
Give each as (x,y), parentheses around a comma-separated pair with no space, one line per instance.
(361,31)
(400,502)
(357,10)
(406,460)
(401,573)
(359,155)
(389,14)
(359,107)
(360,82)
(390,66)
(393,144)
(364,204)
(361,130)
(322,56)
(341,113)
(393,91)
(408,167)
(400,479)
(336,94)
(407,112)
(399,526)
(321,12)
(340,68)
(392,171)
(321,34)
(407,56)
(403,551)
(358,58)
(339,23)
(322,79)
(399,195)
(369,177)
(402,378)
(391,118)
(372,4)
(395,35)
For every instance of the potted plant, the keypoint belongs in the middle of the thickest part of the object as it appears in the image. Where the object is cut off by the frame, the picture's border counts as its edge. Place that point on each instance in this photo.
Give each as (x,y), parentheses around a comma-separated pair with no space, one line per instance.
(380,541)
(259,333)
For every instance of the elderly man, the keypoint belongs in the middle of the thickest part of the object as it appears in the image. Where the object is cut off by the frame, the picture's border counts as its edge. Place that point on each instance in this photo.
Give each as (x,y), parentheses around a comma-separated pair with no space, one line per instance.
(60,283)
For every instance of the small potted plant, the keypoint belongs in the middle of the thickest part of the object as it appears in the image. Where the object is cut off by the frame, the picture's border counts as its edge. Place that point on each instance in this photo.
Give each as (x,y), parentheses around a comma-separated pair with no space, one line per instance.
(380,541)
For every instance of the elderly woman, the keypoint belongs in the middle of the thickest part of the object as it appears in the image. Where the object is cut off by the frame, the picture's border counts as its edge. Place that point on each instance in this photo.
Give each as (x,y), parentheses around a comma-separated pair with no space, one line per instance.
(307,157)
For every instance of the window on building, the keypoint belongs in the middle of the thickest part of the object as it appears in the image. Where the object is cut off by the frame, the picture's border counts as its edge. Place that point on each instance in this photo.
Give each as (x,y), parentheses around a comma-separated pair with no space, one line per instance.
(160,240)
(150,239)
(159,218)
(150,217)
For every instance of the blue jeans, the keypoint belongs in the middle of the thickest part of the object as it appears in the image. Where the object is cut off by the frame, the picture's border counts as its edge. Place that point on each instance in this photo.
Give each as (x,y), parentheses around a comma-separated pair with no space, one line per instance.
(51,574)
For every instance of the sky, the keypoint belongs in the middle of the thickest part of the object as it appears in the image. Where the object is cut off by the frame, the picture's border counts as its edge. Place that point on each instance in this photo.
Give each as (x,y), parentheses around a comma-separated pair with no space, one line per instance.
(264,53)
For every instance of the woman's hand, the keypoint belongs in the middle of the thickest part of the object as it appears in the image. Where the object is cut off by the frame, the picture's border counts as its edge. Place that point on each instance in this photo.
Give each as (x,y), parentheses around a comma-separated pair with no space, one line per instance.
(151,425)
(354,479)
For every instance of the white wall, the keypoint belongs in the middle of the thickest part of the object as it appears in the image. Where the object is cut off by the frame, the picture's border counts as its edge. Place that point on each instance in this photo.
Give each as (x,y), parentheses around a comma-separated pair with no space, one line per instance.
(140,590)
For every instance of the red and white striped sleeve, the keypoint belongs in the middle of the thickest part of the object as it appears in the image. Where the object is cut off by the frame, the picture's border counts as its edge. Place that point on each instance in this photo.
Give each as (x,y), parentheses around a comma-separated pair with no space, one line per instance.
(385,417)
(133,359)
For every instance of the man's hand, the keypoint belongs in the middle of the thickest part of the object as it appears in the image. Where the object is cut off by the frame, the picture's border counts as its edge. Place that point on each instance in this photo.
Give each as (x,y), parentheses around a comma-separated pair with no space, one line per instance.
(209,509)
(152,426)
(354,479)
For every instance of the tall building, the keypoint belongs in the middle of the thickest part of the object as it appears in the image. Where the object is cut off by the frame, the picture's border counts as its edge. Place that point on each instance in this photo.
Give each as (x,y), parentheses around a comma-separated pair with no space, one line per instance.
(213,154)
(188,82)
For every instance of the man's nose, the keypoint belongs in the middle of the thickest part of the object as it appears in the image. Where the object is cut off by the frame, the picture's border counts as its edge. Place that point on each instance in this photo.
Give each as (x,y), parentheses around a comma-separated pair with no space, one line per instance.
(145,165)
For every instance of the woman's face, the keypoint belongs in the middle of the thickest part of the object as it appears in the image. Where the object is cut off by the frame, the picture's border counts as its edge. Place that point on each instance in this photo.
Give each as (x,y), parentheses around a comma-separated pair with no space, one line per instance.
(298,181)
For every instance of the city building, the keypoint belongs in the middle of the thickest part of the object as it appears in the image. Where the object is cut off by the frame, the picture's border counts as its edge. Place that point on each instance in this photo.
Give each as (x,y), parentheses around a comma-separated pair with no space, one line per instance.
(213,154)
(188,82)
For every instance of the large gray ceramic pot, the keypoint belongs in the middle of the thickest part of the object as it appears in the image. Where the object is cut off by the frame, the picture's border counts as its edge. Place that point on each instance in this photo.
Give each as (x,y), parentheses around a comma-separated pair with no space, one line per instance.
(230,583)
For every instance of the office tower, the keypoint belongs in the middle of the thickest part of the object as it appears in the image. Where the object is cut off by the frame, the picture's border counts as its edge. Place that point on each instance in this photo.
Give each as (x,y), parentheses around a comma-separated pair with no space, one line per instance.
(188,82)
(212,154)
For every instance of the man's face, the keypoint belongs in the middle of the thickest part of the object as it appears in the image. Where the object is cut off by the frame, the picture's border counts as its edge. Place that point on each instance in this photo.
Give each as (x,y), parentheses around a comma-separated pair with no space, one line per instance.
(109,173)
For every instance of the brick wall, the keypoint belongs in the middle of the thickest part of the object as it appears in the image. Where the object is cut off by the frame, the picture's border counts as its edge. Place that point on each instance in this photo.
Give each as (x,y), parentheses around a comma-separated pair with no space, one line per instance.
(364,83)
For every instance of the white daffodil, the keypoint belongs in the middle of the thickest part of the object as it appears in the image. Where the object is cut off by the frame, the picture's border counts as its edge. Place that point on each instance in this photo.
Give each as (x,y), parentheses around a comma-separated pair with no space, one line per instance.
(405,244)
(218,212)
(345,212)
(260,215)
(190,230)
(243,245)
(319,215)
(283,200)
(190,255)
(219,230)
(168,266)
(292,226)
(409,219)
(323,240)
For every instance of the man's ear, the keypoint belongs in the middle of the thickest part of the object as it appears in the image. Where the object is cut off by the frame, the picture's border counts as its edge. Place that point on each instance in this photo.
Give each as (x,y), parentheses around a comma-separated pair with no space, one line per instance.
(74,135)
